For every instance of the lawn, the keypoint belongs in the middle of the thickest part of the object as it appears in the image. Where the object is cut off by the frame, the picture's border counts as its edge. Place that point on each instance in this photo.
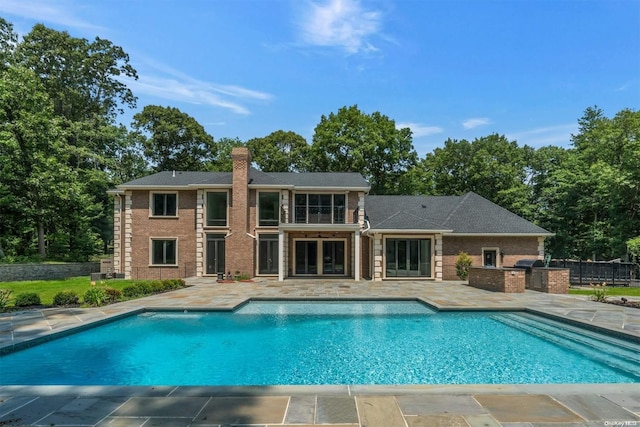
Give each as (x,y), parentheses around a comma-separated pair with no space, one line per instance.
(47,289)
(610,291)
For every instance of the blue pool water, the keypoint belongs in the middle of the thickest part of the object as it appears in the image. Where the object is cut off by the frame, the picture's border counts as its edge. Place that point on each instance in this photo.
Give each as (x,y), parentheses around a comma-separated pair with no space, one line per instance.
(326,343)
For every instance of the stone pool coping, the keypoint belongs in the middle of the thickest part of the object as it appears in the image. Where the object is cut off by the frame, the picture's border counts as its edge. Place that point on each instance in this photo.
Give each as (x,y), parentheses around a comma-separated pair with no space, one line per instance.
(386,406)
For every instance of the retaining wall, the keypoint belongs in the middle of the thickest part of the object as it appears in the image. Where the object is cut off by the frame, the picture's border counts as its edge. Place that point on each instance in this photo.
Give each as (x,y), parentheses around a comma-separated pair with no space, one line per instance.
(17,272)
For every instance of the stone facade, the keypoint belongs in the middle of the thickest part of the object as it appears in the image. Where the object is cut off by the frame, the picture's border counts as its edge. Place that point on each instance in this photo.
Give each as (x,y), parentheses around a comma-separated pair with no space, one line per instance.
(19,272)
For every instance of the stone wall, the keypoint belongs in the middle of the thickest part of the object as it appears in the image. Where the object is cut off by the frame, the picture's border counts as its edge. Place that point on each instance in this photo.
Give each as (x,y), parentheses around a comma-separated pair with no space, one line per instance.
(17,272)
(549,280)
(508,280)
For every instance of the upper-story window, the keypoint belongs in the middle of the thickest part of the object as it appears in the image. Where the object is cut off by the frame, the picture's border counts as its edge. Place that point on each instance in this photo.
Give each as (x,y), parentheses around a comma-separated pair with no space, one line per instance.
(217,208)
(164,204)
(268,208)
(320,208)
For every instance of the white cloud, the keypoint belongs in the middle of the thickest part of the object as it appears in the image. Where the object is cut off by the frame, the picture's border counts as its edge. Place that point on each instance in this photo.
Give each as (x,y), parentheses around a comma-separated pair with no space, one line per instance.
(167,83)
(475,122)
(558,135)
(419,130)
(61,12)
(340,23)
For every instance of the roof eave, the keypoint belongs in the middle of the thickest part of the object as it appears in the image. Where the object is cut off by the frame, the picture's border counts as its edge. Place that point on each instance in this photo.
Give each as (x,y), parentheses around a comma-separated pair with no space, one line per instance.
(452,233)
(328,188)
(407,231)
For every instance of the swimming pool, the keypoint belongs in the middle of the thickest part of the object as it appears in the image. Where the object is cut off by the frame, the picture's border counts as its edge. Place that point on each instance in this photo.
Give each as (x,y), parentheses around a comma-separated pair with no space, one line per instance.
(277,343)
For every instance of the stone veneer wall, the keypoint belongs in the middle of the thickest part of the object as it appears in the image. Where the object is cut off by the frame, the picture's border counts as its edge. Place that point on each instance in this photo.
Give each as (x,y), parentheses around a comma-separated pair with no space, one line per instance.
(549,280)
(508,280)
(18,272)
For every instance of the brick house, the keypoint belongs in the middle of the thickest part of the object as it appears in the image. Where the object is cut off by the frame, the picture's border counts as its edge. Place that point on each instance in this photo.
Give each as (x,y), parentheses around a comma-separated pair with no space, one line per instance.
(286,225)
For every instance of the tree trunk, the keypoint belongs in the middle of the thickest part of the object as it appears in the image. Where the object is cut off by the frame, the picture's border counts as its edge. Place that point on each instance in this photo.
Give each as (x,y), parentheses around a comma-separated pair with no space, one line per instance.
(41,249)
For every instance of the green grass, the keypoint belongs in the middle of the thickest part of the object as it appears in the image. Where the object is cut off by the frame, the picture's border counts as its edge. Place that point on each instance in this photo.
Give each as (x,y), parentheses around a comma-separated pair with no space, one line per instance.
(47,289)
(610,291)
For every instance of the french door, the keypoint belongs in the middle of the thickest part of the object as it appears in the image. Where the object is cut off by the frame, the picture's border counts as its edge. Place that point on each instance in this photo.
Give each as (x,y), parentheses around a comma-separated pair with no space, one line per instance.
(215,254)
(408,257)
(320,257)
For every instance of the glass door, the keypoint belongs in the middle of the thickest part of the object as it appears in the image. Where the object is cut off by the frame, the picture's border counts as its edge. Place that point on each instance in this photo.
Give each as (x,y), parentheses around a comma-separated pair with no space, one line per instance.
(333,257)
(306,257)
(268,254)
(215,254)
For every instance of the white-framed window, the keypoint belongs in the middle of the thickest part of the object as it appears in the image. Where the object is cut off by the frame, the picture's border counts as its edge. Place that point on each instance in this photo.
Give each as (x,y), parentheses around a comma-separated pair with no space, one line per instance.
(268,208)
(163,204)
(217,208)
(163,251)
(408,256)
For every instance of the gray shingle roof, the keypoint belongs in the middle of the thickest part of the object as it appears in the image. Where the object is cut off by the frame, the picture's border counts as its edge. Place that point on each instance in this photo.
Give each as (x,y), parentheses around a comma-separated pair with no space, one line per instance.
(256,177)
(466,214)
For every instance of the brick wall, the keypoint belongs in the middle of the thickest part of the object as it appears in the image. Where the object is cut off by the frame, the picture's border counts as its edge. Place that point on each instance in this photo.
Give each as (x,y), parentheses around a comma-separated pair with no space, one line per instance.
(497,279)
(513,248)
(549,280)
(143,228)
(239,246)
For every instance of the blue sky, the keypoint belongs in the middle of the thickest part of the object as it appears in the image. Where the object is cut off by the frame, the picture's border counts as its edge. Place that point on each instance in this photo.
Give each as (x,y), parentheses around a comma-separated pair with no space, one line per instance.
(446,69)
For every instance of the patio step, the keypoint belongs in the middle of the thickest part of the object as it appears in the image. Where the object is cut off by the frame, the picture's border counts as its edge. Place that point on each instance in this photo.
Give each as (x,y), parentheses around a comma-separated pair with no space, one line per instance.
(609,350)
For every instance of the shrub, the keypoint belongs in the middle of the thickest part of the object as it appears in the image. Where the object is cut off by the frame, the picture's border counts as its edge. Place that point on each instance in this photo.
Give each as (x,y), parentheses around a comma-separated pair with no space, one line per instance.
(156,287)
(463,263)
(112,295)
(66,298)
(599,292)
(5,297)
(95,296)
(27,299)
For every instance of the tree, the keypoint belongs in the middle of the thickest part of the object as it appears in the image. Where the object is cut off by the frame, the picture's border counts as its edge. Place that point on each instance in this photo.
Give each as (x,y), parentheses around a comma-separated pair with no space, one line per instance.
(280,151)
(173,139)
(224,161)
(38,190)
(593,197)
(369,144)
(84,83)
(491,166)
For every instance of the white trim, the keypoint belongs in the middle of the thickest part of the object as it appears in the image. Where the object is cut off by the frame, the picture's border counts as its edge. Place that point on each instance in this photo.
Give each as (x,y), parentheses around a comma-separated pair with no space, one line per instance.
(432,261)
(492,249)
(257,244)
(205,210)
(258,192)
(319,256)
(151,239)
(448,233)
(151,207)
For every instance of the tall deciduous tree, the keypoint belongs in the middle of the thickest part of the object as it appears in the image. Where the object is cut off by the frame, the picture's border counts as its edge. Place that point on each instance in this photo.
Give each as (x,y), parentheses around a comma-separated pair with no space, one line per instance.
(594,202)
(491,166)
(280,151)
(174,140)
(224,147)
(39,192)
(370,144)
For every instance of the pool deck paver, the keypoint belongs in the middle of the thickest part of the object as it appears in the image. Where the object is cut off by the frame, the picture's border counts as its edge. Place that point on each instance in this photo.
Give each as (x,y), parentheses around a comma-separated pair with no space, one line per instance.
(506,405)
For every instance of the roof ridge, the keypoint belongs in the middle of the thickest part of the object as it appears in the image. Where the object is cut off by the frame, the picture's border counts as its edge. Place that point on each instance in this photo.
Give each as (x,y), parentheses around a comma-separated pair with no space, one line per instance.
(454,210)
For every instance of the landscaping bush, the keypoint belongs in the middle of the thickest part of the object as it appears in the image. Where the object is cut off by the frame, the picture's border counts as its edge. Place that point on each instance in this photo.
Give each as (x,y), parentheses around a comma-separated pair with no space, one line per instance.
(66,298)
(95,296)
(5,297)
(140,289)
(112,295)
(463,263)
(27,299)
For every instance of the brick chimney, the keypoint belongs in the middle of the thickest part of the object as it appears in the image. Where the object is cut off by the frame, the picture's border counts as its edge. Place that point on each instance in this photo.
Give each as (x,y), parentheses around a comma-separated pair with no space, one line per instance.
(240,247)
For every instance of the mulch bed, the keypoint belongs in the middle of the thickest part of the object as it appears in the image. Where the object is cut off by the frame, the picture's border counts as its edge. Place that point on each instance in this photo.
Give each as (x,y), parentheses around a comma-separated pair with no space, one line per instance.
(632,304)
